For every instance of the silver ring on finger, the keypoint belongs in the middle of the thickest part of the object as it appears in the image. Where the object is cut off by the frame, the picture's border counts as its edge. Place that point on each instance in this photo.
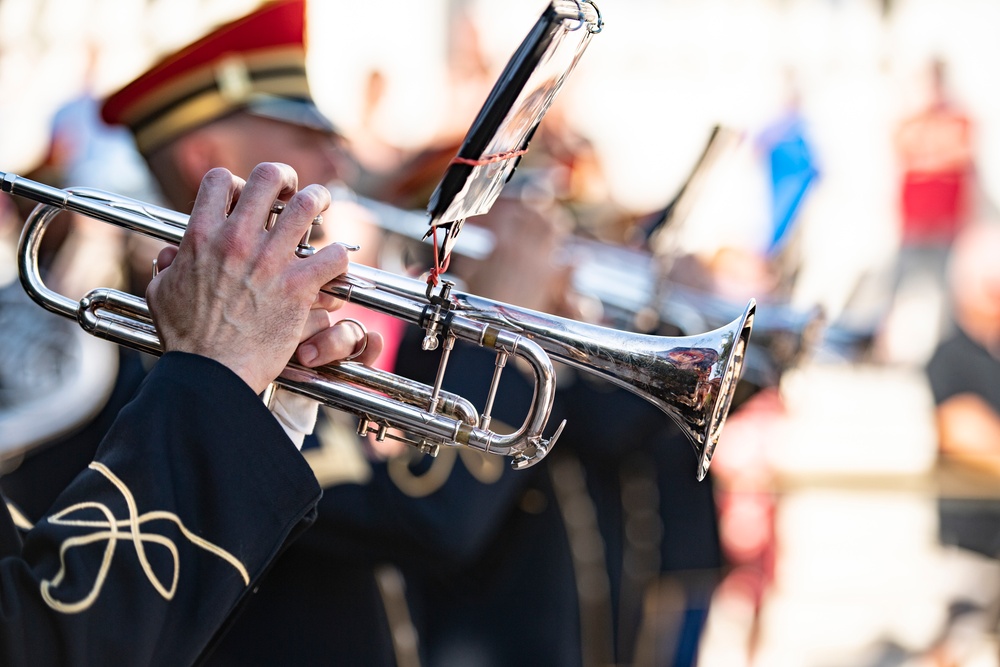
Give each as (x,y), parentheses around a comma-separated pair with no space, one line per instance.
(364,338)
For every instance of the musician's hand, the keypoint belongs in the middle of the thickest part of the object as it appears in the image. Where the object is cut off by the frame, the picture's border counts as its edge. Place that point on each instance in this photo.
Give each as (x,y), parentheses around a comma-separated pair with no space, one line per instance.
(524,269)
(326,339)
(237,293)
(323,341)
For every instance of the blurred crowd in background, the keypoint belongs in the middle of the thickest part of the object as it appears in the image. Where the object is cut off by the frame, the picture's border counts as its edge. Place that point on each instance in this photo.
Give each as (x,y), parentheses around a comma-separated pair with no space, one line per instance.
(851,143)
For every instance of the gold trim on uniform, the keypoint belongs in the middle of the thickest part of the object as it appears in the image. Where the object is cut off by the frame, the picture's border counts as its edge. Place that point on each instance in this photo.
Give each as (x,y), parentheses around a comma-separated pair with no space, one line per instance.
(17,516)
(111,530)
(340,457)
(485,468)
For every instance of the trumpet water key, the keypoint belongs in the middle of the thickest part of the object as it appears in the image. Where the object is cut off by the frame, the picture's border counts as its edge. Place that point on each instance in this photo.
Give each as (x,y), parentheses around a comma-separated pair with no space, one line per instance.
(690,378)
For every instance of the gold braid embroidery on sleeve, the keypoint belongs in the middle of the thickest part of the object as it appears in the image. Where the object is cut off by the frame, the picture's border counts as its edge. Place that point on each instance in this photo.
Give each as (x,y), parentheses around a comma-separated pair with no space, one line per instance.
(112,530)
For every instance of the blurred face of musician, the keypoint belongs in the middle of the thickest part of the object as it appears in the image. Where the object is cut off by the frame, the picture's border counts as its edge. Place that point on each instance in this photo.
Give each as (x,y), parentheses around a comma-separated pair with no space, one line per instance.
(239,142)
(242,141)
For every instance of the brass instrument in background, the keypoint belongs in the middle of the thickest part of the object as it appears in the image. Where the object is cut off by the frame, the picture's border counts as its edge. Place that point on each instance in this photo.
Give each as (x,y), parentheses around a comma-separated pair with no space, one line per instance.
(620,287)
(690,378)
(625,288)
(630,287)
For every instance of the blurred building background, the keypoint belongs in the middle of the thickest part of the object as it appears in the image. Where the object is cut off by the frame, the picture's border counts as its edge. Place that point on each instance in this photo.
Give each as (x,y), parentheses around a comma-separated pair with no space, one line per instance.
(855,572)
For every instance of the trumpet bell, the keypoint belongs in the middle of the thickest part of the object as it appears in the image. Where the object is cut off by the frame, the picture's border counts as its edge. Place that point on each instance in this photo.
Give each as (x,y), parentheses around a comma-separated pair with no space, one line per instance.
(692,379)
(695,380)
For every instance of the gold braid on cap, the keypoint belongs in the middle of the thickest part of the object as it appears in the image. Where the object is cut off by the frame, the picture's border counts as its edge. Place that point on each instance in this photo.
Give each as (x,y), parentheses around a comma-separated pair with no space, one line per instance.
(215,90)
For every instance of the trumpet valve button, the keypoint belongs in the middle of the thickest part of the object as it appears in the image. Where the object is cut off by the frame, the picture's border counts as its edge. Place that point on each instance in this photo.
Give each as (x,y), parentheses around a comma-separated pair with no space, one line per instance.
(305,248)
(429,448)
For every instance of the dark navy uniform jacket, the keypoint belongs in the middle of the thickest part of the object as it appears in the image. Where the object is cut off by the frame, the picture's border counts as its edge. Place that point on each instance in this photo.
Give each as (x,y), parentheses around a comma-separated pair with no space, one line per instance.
(487,563)
(144,555)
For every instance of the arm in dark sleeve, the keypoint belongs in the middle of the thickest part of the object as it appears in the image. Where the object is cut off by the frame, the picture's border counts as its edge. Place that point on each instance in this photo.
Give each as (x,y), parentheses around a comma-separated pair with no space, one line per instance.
(192,493)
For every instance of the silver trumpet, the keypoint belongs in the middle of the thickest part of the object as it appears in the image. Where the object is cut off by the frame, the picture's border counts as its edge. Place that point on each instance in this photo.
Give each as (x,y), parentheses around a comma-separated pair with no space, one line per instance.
(691,378)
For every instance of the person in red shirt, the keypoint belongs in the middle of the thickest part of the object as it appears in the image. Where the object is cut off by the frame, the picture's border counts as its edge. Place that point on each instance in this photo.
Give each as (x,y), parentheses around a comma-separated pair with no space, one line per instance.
(935,152)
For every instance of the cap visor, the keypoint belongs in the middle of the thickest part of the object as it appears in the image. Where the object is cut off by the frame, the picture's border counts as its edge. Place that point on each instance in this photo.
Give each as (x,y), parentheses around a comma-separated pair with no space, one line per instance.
(297,112)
